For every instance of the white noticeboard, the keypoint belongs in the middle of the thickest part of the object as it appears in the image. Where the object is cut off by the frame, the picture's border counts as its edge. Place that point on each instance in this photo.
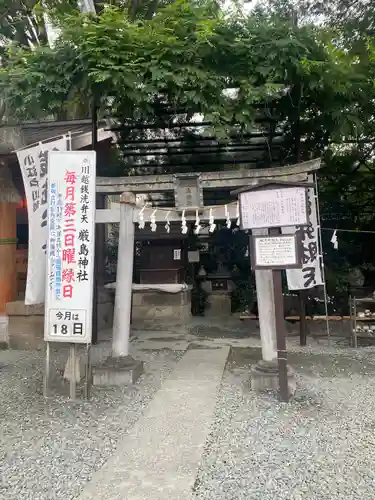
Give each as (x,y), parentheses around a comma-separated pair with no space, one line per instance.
(274,208)
(274,252)
(70,255)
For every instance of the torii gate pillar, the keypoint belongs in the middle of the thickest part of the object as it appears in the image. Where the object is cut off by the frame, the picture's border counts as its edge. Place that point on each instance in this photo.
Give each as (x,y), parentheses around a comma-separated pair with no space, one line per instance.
(123,298)
(266,306)
(121,368)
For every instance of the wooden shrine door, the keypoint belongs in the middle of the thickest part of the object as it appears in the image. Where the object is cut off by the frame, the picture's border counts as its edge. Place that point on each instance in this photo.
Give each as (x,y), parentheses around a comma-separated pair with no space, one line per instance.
(161,261)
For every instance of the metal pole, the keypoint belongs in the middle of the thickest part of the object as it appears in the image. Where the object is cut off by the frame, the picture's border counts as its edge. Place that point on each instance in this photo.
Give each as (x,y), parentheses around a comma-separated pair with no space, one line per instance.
(88,372)
(355,329)
(297,147)
(73,372)
(47,371)
(94,143)
(282,355)
(320,242)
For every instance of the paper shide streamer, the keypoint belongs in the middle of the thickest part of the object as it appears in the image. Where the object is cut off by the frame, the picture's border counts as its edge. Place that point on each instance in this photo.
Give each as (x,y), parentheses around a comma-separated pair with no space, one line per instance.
(153,221)
(198,226)
(334,240)
(212,226)
(141,217)
(227,217)
(211,221)
(167,223)
(184,228)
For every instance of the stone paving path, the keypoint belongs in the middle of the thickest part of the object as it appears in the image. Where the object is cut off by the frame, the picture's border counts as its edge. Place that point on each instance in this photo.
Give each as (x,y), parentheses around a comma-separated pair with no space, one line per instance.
(160,456)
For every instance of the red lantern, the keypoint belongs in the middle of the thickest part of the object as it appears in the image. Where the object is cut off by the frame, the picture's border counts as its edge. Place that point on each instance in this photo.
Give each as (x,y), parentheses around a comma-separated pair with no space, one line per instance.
(22,203)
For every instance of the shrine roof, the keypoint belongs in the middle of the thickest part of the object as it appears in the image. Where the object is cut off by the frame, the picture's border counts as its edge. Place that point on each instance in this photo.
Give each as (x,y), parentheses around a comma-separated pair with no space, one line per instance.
(265,184)
(15,136)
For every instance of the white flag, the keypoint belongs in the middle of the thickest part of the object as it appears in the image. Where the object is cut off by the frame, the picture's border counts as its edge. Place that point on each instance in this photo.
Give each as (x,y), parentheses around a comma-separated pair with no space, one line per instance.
(33,163)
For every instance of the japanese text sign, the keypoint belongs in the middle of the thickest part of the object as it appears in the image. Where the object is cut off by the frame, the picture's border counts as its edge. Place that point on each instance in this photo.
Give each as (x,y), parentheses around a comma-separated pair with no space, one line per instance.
(286,206)
(33,163)
(275,252)
(70,257)
(188,192)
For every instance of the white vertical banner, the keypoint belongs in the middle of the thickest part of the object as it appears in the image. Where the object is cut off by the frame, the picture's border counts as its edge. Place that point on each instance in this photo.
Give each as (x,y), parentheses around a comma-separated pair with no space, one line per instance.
(33,163)
(311,274)
(70,261)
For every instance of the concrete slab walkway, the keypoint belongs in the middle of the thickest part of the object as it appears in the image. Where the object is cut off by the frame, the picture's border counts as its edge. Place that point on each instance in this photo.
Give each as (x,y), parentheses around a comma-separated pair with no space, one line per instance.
(159,458)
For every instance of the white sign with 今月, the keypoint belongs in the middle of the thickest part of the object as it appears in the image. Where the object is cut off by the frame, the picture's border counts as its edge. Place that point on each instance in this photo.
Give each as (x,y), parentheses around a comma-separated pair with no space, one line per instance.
(275,251)
(70,249)
(177,254)
(273,208)
(34,165)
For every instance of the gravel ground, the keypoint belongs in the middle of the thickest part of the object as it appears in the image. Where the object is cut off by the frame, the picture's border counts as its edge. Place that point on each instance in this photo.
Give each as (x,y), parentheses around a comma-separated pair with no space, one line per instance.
(49,449)
(321,446)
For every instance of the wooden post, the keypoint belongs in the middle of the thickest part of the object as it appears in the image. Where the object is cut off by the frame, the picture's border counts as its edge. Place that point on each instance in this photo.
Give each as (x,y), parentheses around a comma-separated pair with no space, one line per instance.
(124,279)
(73,379)
(282,355)
(9,198)
(88,375)
(46,371)
(8,247)
(99,266)
(302,318)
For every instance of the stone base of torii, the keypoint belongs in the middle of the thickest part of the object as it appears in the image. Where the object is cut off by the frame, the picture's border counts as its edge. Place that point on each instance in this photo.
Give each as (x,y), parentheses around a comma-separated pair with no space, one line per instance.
(121,367)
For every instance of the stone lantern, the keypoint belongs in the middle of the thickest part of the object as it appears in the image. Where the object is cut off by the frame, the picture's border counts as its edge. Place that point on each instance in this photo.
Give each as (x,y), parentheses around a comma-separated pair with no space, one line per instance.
(219,287)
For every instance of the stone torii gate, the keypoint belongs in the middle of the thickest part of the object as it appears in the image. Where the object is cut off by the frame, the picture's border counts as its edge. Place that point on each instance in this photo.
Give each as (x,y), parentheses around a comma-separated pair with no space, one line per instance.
(189,191)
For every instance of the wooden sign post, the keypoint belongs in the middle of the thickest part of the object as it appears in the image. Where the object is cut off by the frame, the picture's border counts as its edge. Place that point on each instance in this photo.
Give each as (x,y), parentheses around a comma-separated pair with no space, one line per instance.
(272,205)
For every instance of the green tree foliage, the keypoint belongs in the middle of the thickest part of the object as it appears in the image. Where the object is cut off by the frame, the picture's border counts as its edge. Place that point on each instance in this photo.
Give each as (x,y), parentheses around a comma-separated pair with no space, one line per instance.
(188,54)
(22,21)
(312,82)
(348,195)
